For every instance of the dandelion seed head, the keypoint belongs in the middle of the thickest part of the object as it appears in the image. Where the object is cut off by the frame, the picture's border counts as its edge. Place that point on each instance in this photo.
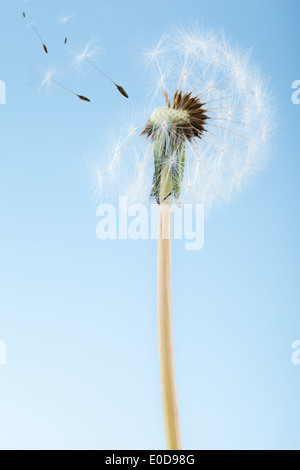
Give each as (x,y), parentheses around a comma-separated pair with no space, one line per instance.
(163,115)
(208,127)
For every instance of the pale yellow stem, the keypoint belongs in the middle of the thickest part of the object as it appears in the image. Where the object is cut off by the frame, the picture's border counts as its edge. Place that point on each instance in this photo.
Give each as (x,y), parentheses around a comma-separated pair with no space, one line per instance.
(165,323)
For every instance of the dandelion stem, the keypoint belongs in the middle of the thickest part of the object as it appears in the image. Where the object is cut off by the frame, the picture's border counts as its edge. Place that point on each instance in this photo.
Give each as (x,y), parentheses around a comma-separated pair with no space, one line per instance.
(165,320)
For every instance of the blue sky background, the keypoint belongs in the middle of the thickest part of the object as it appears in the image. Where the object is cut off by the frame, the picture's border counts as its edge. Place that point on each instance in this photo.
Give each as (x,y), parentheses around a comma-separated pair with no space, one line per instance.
(78,316)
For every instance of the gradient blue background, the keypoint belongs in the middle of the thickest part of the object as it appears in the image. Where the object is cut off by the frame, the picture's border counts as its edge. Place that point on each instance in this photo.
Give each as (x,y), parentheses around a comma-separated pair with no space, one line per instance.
(78,316)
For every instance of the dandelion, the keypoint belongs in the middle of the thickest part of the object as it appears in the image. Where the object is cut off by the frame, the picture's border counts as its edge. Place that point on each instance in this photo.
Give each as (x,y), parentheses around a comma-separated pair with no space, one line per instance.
(39,36)
(50,78)
(24,12)
(65,21)
(87,57)
(208,134)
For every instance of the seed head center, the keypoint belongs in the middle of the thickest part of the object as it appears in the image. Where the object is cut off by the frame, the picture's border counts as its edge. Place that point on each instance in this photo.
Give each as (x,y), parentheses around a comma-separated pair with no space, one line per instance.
(165,115)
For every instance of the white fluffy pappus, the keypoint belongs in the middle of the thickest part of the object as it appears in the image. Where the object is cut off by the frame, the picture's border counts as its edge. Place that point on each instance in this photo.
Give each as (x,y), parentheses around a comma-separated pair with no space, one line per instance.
(86,56)
(211,117)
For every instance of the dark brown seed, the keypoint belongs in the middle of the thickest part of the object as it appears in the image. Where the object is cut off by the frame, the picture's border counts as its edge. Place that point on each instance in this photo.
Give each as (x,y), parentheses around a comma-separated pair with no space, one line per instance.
(83,98)
(122,91)
(66,40)
(45,48)
(24,15)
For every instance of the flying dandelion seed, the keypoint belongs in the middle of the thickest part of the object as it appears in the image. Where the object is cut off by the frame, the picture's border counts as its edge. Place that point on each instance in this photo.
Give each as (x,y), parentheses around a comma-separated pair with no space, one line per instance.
(40,38)
(208,134)
(65,21)
(24,8)
(119,88)
(86,56)
(50,78)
